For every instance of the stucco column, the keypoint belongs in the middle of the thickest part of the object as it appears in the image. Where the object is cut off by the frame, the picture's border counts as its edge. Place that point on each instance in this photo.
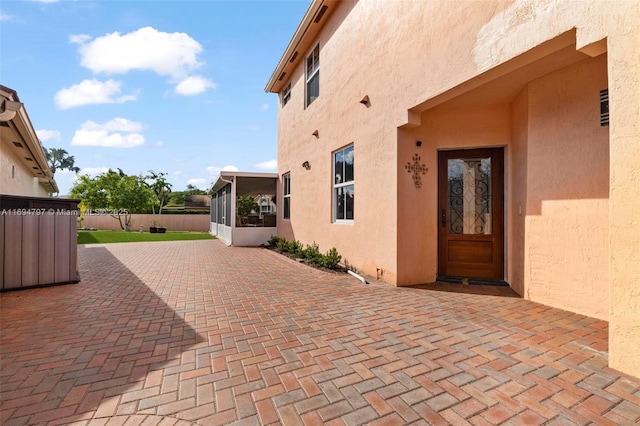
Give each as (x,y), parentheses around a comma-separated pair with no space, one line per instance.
(624,201)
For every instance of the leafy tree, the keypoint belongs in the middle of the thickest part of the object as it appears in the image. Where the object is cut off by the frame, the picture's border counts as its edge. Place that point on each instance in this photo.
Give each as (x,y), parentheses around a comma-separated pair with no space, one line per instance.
(194,190)
(59,159)
(160,187)
(245,204)
(114,193)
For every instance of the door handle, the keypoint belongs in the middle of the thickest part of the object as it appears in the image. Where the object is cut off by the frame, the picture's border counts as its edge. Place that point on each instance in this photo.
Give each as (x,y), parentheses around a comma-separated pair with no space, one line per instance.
(443,218)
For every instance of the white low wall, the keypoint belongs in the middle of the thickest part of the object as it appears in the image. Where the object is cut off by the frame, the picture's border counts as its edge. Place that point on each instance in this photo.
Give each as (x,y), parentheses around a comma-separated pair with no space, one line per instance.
(243,237)
(173,222)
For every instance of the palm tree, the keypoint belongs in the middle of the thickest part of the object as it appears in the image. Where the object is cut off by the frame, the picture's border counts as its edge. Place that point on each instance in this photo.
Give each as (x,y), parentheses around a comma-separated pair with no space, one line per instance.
(59,159)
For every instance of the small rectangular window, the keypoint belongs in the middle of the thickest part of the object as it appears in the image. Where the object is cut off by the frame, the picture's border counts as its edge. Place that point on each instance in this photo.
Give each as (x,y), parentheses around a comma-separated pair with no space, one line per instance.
(313,75)
(286,196)
(343,185)
(286,94)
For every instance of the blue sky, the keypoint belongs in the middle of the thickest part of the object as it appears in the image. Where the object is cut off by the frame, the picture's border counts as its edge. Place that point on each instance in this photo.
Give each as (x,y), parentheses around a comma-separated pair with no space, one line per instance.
(172,86)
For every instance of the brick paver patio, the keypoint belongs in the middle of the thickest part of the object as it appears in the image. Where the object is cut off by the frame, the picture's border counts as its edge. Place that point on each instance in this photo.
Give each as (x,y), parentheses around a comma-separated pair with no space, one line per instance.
(184,333)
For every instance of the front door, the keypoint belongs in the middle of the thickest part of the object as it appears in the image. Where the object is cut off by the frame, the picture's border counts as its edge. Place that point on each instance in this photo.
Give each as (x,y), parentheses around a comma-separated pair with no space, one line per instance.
(471,213)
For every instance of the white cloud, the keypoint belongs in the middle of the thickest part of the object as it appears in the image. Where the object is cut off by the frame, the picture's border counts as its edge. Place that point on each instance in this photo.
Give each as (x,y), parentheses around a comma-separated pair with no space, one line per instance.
(194,85)
(93,171)
(214,170)
(253,127)
(167,54)
(265,107)
(79,38)
(200,183)
(267,165)
(45,1)
(116,125)
(91,92)
(5,16)
(160,144)
(177,172)
(109,134)
(48,135)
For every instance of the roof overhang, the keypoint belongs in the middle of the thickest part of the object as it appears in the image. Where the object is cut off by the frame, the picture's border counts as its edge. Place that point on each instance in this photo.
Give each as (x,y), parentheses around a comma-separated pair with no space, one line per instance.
(312,22)
(502,83)
(226,177)
(17,132)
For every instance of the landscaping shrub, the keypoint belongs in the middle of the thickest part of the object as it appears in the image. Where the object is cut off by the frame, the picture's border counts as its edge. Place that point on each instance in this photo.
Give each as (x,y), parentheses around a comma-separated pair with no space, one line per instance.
(273,241)
(295,248)
(311,253)
(282,245)
(331,259)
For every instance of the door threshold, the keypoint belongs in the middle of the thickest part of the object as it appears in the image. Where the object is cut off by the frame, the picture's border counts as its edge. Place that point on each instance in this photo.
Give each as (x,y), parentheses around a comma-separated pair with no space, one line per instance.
(472,281)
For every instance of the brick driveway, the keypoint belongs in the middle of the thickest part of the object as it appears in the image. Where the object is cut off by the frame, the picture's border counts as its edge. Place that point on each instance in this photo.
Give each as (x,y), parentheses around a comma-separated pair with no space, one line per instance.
(197,333)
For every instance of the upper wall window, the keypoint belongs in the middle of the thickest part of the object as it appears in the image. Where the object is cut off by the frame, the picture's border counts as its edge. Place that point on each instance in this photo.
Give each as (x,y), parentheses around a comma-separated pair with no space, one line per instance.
(313,75)
(343,185)
(286,94)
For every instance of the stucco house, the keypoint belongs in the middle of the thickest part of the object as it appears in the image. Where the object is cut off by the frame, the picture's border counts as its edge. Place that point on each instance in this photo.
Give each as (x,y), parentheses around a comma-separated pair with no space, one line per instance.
(22,160)
(491,141)
(38,243)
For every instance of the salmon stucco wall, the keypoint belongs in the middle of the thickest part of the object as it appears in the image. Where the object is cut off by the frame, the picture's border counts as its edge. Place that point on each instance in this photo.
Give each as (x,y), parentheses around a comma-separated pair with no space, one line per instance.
(566,213)
(341,120)
(442,128)
(14,178)
(517,191)
(573,198)
(623,57)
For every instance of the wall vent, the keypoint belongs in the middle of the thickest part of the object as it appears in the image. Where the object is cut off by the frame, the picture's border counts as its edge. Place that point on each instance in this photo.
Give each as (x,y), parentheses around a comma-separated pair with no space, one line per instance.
(282,75)
(320,14)
(28,158)
(4,124)
(18,144)
(294,56)
(604,107)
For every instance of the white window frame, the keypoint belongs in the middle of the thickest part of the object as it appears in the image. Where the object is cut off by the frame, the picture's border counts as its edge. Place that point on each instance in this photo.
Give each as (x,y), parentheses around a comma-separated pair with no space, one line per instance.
(337,185)
(286,195)
(286,94)
(311,76)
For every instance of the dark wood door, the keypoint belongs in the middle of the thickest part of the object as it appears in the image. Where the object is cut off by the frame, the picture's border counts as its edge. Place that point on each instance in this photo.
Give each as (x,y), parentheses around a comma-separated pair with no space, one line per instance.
(471,213)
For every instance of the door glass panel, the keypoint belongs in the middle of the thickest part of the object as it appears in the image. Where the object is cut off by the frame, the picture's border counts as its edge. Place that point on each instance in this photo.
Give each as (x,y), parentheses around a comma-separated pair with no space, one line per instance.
(469,195)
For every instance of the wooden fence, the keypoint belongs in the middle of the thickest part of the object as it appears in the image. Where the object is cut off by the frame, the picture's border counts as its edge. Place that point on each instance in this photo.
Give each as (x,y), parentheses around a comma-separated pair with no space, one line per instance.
(173,222)
(38,244)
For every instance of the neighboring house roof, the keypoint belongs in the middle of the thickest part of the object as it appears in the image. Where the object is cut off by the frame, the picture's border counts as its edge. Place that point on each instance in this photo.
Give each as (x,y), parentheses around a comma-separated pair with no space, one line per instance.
(306,33)
(197,201)
(17,132)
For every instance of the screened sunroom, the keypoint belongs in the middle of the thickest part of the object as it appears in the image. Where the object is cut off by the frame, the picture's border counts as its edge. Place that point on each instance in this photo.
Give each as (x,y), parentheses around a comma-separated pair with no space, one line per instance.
(243,207)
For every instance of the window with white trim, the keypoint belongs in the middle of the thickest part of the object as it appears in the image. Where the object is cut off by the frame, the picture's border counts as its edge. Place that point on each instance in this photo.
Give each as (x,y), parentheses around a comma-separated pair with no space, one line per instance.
(286,94)
(343,185)
(286,196)
(313,75)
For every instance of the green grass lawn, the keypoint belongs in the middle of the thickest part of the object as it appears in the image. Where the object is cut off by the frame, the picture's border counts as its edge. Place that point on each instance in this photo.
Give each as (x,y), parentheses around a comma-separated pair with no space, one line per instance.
(104,237)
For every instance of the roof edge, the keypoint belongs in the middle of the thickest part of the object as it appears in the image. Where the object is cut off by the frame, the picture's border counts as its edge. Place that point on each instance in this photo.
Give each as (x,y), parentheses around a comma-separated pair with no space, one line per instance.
(297,37)
(225,176)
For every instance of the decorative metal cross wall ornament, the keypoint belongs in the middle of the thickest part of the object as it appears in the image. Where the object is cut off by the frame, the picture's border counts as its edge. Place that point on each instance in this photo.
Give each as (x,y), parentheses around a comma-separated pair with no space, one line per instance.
(416,168)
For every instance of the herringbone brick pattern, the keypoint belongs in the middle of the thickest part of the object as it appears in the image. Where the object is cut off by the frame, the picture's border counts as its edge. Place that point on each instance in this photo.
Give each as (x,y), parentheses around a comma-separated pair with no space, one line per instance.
(185,333)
